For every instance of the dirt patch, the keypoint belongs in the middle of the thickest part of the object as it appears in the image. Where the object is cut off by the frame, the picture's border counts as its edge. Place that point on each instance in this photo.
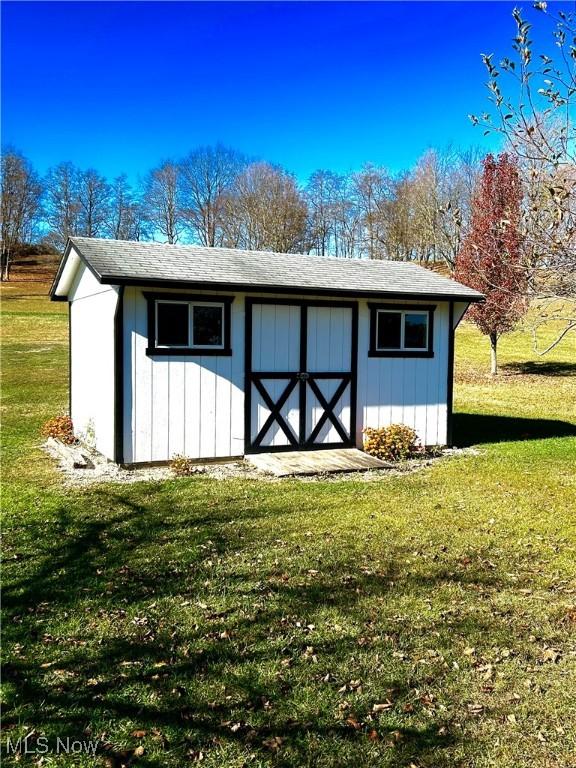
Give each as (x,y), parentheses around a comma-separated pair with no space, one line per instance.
(100,470)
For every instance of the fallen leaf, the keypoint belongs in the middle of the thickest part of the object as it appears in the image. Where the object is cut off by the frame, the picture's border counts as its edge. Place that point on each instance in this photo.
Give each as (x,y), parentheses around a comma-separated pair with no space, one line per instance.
(274,743)
(552,655)
(139,734)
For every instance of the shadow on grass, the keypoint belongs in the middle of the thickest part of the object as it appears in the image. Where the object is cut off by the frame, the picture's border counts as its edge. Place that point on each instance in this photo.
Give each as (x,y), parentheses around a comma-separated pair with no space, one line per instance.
(477,428)
(178,628)
(541,368)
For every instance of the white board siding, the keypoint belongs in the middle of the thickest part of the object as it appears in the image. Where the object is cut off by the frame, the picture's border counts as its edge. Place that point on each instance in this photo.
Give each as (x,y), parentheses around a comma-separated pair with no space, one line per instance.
(411,391)
(192,406)
(92,309)
(195,405)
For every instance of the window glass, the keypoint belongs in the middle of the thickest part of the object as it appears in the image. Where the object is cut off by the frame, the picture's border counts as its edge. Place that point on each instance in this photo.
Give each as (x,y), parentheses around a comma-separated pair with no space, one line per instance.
(172,324)
(207,326)
(388,330)
(415,331)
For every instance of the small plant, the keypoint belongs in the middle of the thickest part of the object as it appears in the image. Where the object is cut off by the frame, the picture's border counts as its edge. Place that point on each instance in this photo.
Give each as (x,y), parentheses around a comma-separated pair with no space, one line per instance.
(392,443)
(88,437)
(60,428)
(183,466)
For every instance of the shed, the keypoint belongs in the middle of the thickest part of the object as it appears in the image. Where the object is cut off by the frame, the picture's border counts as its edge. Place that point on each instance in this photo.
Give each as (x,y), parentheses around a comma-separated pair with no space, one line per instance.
(218,352)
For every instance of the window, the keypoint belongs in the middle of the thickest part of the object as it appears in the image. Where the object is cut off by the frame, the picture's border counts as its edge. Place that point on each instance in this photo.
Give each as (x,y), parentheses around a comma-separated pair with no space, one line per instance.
(188,325)
(207,325)
(171,324)
(388,330)
(401,331)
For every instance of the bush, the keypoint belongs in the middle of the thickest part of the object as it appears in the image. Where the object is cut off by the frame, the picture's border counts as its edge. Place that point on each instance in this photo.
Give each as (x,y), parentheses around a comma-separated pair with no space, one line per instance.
(182,466)
(60,428)
(392,443)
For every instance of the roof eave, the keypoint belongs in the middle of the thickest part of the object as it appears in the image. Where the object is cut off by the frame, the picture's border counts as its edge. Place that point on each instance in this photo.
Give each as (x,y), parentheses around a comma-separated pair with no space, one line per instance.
(284,289)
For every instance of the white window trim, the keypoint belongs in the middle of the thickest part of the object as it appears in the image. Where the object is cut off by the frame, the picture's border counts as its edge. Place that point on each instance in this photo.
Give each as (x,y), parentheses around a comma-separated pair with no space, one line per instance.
(190,305)
(403,313)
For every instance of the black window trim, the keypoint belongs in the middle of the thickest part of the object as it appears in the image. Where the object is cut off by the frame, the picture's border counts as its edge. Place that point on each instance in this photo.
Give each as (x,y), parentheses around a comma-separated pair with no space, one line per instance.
(191,298)
(373,350)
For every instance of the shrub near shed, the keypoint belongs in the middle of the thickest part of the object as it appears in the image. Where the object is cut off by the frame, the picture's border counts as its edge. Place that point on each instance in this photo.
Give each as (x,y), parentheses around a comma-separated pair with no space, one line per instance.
(60,428)
(393,443)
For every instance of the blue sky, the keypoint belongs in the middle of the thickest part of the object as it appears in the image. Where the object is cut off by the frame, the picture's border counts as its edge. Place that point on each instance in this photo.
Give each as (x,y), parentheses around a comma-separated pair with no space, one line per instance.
(121,85)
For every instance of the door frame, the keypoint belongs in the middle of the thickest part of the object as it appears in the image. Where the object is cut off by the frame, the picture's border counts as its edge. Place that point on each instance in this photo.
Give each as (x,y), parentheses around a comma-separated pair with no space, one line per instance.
(249,302)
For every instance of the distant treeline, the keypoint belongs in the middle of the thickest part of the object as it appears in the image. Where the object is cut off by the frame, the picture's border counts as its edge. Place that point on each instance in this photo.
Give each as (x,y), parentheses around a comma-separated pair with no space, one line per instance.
(218,197)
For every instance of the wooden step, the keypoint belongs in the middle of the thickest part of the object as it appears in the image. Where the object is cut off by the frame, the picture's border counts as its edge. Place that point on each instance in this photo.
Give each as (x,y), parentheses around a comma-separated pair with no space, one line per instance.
(284,463)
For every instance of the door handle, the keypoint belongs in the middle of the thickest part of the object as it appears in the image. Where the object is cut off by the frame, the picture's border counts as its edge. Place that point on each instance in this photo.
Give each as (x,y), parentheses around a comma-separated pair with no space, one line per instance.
(303,376)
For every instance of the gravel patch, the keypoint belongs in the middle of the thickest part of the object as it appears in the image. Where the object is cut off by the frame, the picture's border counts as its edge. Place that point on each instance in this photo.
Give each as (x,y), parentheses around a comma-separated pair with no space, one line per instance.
(100,470)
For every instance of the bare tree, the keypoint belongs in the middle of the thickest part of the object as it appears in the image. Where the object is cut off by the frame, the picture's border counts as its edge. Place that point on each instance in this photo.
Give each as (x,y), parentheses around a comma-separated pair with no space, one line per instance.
(21,193)
(94,203)
(62,203)
(207,175)
(459,174)
(347,219)
(398,231)
(266,211)
(323,199)
(371,189)
(440,189)
(162,201)
(334,218)
(533,98)
(126,216)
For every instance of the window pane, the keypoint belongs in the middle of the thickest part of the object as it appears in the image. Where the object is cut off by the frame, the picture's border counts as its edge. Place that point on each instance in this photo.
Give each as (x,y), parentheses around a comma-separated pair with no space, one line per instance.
(388,330)
(415,331)
(207,326)
(172,324)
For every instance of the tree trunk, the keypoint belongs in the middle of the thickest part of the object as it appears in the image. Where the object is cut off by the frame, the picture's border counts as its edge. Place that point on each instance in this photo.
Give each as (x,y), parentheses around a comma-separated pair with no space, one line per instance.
(493,354)
(5,266)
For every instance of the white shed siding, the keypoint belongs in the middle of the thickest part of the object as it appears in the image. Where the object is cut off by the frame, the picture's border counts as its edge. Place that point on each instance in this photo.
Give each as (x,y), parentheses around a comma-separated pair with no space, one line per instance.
(180,405)
(195,405)
(92,309)
(397,390)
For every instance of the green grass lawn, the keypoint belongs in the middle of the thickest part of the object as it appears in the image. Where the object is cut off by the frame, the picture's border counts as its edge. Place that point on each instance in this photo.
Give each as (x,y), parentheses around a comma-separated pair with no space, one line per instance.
(427,619)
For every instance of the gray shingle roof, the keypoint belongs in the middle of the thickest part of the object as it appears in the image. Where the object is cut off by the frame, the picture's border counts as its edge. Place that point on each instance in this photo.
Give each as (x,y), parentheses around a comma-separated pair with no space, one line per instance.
(119,261)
